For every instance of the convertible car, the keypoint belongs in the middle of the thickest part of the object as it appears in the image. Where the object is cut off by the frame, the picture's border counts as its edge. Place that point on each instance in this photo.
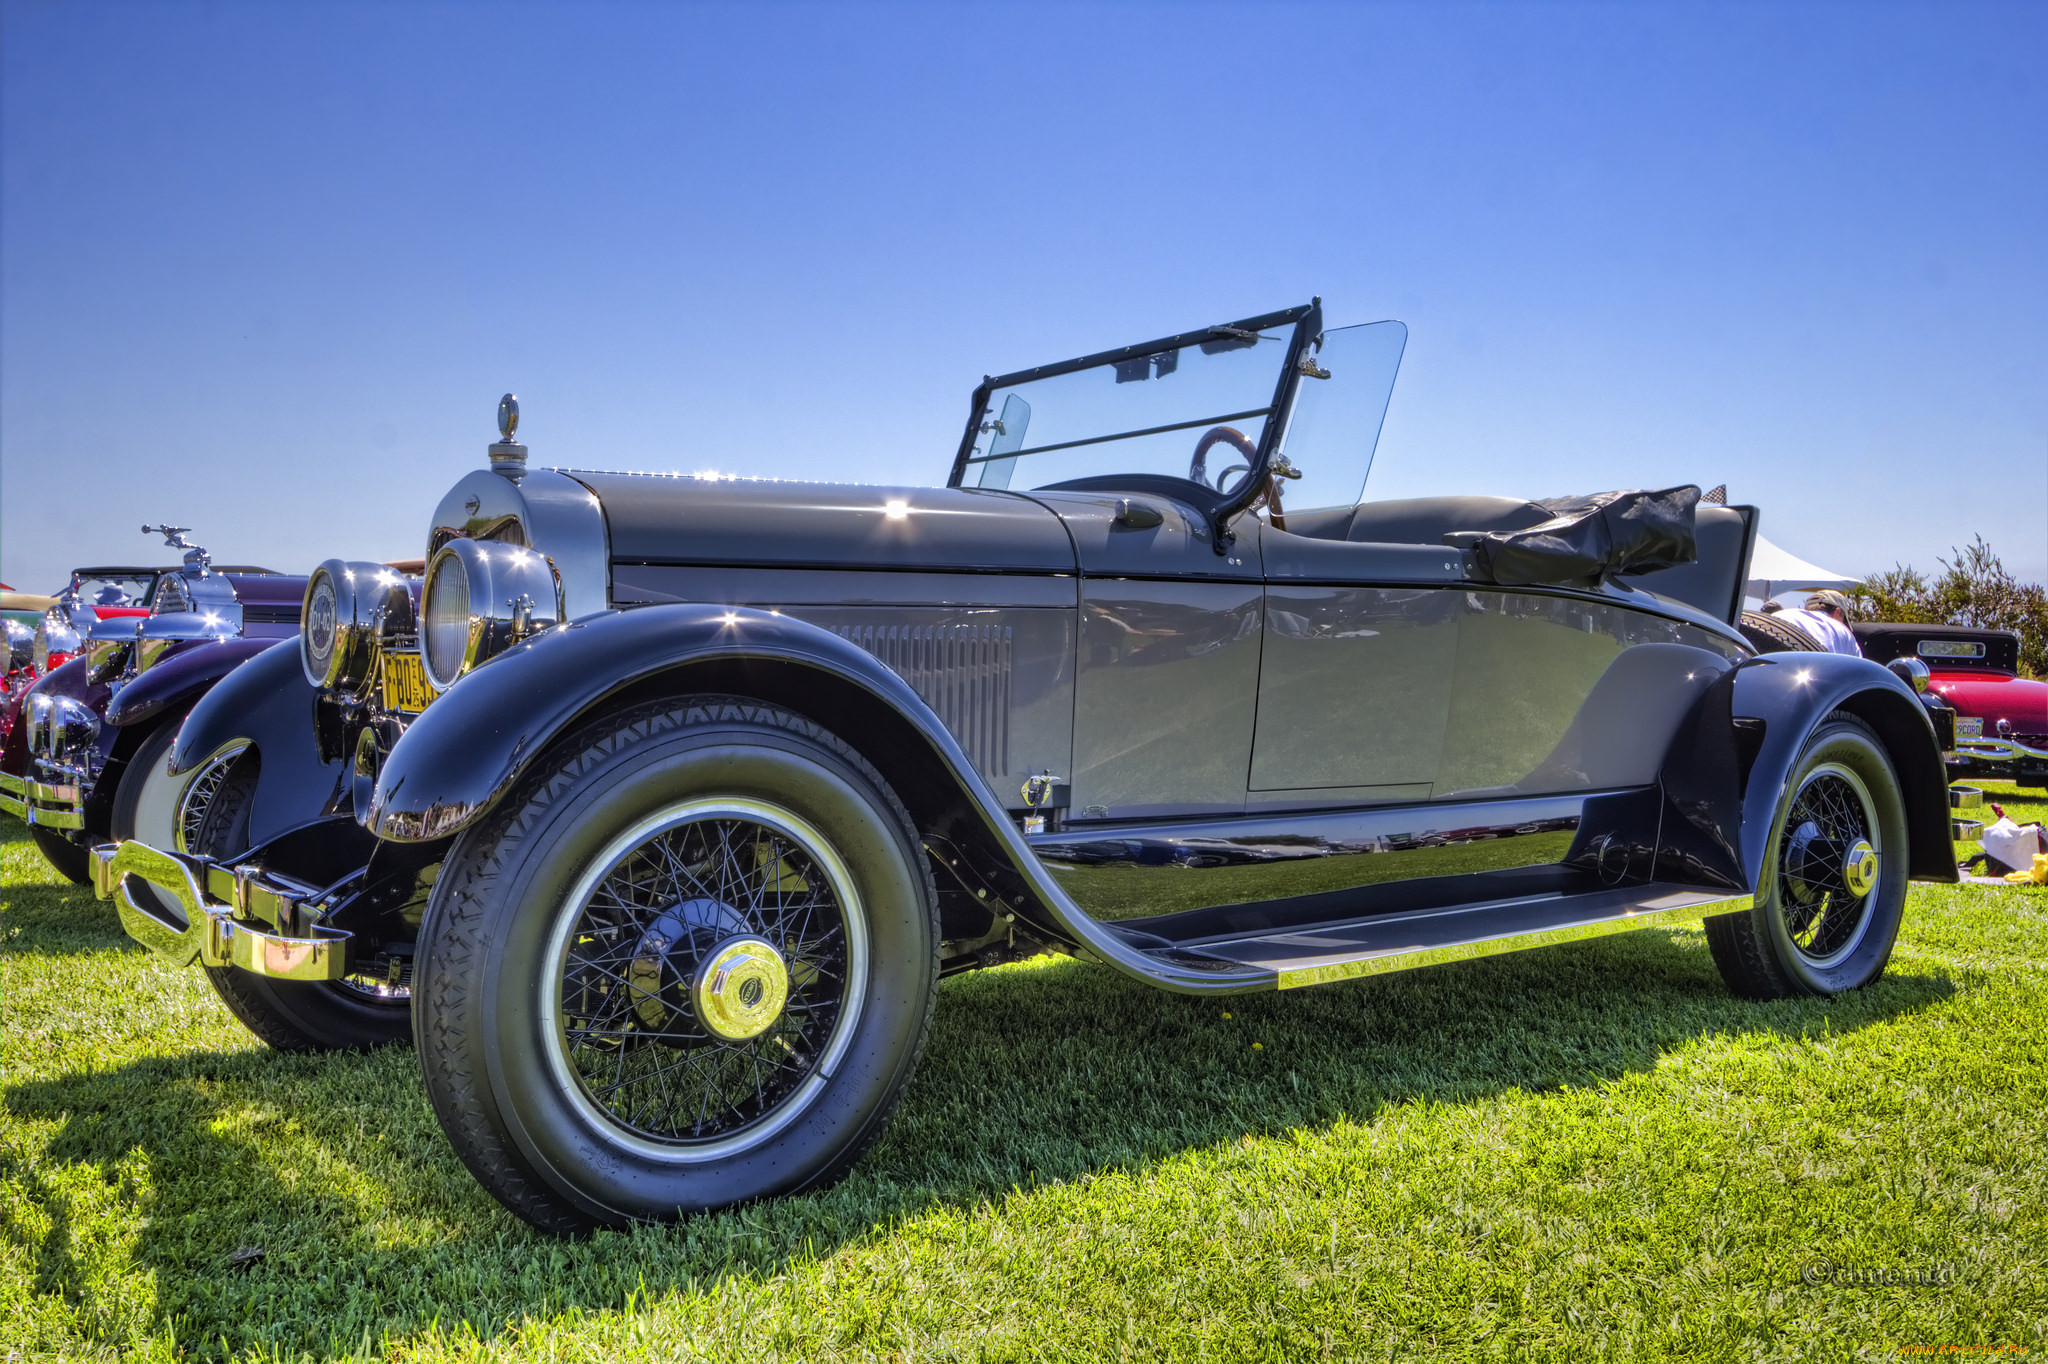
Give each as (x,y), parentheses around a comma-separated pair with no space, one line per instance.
(658,814)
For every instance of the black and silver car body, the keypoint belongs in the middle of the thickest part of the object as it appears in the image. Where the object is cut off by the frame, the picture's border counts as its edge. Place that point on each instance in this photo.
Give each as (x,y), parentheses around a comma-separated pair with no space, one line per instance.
(1146,718)
(82,763)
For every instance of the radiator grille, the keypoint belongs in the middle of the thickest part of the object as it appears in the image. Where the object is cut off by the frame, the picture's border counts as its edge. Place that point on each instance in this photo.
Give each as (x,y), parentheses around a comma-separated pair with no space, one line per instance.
(963,674)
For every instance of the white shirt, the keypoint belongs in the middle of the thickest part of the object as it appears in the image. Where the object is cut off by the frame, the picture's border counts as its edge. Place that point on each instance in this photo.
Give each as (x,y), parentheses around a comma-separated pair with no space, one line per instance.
(1823,630)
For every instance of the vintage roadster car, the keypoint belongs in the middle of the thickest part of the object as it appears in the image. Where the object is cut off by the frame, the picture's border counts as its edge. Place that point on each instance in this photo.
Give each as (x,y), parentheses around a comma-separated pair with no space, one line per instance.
(2001,718)
(120,657)
(659,814)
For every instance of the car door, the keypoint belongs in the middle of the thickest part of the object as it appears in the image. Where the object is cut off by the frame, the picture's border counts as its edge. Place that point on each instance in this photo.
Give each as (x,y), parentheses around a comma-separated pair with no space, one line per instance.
(1167,664)
(1356,679)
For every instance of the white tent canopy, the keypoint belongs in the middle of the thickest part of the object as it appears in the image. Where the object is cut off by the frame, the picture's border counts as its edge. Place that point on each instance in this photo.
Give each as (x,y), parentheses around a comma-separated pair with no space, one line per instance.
(1773,570)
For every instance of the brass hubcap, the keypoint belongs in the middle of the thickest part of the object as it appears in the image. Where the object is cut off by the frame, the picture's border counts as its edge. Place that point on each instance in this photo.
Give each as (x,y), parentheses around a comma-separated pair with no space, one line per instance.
(741,988)
(1859,868)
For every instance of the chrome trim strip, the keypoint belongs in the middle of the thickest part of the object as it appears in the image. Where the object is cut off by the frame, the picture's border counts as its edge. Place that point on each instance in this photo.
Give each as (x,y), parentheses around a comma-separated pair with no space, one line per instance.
(748,585)
(211,934)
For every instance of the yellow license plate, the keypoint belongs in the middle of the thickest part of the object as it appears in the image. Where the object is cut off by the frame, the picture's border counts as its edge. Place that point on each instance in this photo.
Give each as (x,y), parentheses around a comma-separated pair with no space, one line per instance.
(405,683)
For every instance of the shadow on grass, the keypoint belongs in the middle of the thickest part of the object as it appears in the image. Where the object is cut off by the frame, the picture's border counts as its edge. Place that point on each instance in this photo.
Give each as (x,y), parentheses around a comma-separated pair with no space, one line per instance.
(47,915)
(368,1224)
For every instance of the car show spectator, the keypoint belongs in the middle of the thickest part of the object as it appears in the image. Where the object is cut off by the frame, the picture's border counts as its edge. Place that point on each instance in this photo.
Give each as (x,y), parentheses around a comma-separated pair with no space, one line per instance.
(1825,620)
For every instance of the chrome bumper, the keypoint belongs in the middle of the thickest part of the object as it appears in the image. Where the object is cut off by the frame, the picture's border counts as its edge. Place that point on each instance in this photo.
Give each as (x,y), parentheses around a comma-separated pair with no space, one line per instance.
(219,904)
(1997,750)
(53,804)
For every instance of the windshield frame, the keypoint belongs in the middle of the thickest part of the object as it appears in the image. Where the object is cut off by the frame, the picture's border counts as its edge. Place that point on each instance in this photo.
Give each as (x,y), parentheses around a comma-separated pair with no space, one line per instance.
(1307,321)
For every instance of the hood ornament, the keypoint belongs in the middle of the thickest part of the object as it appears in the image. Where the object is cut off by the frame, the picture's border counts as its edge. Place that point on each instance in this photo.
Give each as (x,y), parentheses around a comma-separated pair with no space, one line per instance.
(197,560)
(508,457)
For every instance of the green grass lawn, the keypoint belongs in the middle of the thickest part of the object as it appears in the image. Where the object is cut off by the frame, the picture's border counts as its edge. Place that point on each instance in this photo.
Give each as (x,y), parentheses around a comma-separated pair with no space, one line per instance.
(1584,1151)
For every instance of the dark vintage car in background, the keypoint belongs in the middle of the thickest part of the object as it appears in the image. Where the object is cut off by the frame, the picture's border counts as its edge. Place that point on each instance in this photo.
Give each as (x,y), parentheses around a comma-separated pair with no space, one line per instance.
(89,596)
(660,812)
(2001,717)
(120,658)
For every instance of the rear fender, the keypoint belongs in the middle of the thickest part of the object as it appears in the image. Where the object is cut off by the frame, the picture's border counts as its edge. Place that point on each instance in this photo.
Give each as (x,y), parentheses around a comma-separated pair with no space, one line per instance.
(459,759)
(1792,694)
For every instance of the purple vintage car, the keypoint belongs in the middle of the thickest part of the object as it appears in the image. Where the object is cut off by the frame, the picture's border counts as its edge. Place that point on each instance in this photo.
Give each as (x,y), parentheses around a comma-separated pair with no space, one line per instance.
(123,654)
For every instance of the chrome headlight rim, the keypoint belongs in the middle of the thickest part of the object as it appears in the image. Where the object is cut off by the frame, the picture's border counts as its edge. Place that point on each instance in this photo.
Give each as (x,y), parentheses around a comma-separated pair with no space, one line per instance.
(511,592)
(54,634)
(338,640)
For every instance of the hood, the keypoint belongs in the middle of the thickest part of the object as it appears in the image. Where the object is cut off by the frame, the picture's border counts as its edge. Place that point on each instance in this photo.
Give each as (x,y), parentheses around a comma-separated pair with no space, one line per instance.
(671,519)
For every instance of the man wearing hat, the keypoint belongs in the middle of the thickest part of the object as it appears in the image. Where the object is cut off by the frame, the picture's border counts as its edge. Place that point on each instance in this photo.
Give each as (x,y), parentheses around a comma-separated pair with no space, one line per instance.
(1826,621)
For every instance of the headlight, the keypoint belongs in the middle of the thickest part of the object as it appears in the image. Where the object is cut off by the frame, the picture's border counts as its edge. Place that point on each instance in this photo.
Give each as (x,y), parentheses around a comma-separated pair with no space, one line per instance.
(21,644)
(54,637)
(60,728)
(338,642)
(481,598)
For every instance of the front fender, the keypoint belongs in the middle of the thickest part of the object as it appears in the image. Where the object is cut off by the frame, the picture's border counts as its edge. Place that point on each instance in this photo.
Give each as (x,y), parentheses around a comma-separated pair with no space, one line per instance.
(1792,693)
(466,750)
(180,675)
(268,704)
(459,758)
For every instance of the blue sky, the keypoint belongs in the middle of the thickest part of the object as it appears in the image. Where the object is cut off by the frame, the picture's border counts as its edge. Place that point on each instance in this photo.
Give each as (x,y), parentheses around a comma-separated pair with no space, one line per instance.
(265,270)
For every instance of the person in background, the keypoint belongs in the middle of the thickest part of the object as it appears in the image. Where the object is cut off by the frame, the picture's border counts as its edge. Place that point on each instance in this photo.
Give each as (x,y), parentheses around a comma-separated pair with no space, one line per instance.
(1825,620)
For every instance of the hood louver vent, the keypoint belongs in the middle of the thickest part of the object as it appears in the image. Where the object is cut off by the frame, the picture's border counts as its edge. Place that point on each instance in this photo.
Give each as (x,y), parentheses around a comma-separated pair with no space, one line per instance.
(963,674)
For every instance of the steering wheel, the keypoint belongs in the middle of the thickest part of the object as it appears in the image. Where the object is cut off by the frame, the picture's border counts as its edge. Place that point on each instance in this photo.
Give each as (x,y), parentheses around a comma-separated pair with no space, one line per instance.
(1198,468)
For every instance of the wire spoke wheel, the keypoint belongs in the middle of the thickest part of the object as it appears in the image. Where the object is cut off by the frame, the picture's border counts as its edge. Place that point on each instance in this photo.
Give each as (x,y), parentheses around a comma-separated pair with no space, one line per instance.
(199,795)
(1831,890)
(703,974)
(1829,849)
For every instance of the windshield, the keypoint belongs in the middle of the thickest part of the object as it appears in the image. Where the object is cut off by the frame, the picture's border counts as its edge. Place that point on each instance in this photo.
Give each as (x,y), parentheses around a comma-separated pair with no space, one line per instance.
(1338,410)
(1197,407)
(114,591)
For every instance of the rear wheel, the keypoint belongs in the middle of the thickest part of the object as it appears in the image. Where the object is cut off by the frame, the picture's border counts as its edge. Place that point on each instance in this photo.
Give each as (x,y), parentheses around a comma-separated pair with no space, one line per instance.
(1833,886)
(690,962)
(292,1015)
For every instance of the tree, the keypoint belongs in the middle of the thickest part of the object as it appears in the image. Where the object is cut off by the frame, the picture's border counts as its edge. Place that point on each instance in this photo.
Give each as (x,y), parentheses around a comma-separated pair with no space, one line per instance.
(1973,588)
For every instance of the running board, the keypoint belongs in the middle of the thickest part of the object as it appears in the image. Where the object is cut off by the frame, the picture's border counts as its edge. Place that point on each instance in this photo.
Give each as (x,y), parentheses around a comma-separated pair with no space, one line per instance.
(1402,942)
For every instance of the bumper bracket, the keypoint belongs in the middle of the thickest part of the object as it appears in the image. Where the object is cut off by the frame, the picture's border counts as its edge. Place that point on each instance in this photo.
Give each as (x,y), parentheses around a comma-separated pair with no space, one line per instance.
(216,901)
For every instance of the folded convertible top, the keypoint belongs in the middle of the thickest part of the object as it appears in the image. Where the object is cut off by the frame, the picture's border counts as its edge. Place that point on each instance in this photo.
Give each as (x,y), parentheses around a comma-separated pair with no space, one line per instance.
(1594,536)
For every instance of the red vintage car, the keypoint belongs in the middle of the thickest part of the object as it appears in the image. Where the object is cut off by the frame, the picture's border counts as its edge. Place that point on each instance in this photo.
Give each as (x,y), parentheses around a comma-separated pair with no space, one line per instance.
(2001,717)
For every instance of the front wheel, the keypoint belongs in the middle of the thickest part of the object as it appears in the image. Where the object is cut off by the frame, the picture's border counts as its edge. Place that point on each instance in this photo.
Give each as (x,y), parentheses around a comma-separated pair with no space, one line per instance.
(690,962)
(1833,886)
(72,862)
(352,1014)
